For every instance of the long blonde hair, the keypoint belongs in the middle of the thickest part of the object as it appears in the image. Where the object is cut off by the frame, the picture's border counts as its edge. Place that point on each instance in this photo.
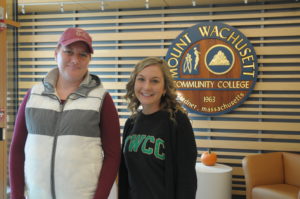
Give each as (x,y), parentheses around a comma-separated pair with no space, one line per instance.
(168,100)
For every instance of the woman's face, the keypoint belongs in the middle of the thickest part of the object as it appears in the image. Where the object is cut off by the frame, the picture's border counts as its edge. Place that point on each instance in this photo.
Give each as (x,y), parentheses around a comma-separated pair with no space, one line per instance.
(149,88)
(73,61)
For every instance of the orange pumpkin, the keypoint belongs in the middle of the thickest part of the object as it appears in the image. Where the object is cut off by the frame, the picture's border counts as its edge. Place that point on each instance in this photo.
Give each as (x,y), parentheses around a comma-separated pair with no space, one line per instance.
(209,158)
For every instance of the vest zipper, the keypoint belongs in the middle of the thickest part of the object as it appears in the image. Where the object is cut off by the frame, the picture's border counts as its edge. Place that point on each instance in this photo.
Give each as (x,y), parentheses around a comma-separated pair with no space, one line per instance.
(52,177)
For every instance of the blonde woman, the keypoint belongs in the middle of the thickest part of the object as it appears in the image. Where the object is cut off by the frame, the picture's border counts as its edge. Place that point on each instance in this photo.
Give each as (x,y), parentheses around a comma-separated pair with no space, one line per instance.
(159,150)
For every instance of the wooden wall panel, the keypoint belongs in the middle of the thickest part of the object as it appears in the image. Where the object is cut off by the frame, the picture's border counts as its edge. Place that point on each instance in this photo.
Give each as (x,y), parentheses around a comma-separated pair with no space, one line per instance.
(283,50)
(3,166)
(3,70)
(269,120)
(3,107)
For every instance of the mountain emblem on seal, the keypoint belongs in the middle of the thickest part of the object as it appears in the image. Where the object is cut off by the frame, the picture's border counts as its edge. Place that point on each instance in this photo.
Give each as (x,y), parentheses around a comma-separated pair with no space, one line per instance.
(219,59)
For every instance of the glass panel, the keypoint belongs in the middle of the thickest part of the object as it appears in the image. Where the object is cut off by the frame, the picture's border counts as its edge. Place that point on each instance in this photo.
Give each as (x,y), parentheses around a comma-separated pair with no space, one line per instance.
(10,9)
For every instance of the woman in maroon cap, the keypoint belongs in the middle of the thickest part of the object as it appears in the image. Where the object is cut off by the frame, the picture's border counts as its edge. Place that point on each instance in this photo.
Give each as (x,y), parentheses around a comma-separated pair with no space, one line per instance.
(66,142)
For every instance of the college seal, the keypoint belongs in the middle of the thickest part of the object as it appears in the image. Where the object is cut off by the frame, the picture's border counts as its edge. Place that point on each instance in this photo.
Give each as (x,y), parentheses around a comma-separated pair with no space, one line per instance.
(214,67)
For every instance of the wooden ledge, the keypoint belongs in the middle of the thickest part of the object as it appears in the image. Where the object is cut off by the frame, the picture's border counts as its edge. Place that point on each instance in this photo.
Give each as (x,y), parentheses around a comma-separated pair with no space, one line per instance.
(12,23)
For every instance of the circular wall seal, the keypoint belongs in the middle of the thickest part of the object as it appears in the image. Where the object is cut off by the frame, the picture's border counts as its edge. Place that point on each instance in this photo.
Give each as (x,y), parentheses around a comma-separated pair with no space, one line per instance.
(214,67)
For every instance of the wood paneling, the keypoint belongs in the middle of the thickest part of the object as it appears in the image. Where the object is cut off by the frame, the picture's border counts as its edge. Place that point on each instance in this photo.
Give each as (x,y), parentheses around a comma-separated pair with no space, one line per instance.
(70,5)
(283,50)
(3,76)
(3,85)
(3,166)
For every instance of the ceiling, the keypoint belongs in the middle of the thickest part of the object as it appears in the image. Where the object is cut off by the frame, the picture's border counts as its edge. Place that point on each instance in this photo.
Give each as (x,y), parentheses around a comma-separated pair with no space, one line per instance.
(71,5)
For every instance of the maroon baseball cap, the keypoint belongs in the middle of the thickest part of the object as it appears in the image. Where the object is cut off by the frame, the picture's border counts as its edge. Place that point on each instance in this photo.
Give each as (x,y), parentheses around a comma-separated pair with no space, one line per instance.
(72,35)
